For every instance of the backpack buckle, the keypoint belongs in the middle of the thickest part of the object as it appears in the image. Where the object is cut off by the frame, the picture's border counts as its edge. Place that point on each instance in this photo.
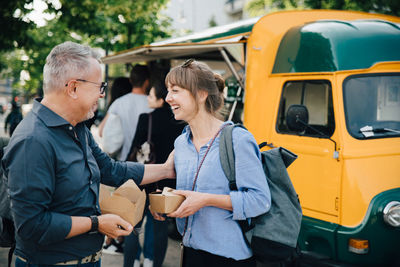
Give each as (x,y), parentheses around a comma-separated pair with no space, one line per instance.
(232,186)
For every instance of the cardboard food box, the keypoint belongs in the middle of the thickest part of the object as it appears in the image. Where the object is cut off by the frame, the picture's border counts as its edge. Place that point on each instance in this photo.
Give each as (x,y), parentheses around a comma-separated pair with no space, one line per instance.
(165,201)
(127,201)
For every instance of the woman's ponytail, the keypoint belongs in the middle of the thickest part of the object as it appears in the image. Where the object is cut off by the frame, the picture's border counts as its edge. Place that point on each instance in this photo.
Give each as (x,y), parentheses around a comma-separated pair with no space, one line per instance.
(220,82)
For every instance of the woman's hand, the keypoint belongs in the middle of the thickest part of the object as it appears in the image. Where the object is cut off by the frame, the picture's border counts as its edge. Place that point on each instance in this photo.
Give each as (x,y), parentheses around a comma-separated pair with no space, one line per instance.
(193,202)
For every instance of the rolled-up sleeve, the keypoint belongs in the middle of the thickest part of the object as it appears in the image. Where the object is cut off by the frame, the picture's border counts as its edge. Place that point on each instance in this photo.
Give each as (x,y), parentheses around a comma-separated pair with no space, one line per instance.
(31,181)
(253,197)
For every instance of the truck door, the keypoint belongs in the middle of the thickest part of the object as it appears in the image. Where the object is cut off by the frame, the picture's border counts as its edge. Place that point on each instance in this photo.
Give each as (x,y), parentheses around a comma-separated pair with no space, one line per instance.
(316,174)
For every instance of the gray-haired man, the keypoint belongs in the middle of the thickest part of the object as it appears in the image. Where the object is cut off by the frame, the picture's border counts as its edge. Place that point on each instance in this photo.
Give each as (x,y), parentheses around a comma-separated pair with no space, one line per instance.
(54,167)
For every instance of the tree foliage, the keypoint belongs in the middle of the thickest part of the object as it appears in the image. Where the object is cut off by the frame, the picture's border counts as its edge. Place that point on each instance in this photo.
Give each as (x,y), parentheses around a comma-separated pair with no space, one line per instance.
(12,34)
(116,24)
(113,25)
(390,7)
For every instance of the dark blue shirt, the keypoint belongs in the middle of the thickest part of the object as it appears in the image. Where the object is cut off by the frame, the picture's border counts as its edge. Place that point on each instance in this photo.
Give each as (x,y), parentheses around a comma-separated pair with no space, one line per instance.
(54,171)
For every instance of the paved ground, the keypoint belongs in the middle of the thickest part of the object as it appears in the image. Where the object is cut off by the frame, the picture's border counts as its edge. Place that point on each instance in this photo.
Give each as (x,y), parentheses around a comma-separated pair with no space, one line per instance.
(171,258)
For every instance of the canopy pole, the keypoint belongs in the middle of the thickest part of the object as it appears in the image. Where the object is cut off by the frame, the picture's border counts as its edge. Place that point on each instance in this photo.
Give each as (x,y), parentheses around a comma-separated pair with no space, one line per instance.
(234,72)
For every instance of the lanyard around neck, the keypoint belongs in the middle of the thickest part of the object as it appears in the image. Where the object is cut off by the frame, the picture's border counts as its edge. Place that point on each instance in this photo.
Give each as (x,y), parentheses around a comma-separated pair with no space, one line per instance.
(198,170)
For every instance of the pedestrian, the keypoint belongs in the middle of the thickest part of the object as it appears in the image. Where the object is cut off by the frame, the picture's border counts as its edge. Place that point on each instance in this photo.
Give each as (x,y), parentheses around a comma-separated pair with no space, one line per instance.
(113,134)
(54,168)
(207,218)
(120,86)
(13,119)
(128,107)
(164,130)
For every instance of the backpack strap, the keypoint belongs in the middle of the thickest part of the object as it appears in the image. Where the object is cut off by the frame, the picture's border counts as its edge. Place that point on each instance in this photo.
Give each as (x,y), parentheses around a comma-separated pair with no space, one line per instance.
(227,159)
(227,154)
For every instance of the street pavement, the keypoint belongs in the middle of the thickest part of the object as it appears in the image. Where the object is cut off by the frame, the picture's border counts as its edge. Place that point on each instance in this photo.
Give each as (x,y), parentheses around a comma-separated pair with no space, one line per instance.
(172,256)
(107,260)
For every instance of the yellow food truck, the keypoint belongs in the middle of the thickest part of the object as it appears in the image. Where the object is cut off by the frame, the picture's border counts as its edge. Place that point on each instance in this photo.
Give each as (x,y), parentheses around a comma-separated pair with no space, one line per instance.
(325,85)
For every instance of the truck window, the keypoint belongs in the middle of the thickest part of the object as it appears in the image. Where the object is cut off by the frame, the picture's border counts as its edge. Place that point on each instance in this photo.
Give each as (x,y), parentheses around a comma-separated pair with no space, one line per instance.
(372,105)
(317,97)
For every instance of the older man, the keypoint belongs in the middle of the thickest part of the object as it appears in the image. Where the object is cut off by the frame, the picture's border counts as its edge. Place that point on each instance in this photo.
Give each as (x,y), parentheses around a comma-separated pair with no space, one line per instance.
(54,167)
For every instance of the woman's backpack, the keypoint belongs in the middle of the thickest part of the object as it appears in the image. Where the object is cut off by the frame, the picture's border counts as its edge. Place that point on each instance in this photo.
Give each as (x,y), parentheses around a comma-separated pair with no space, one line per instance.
(272,236)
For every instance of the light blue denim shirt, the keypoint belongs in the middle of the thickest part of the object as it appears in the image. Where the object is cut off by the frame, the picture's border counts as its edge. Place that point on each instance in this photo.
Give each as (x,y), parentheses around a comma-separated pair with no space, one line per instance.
(213,229)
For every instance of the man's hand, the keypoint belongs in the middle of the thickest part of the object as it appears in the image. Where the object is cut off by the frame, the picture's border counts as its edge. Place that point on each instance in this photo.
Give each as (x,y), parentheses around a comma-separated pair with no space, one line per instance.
(113,226)
(156,215)
(170,166)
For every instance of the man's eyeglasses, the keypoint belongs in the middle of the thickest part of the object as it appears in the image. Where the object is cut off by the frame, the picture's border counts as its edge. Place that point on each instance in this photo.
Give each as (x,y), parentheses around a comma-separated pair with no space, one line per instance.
(103,85)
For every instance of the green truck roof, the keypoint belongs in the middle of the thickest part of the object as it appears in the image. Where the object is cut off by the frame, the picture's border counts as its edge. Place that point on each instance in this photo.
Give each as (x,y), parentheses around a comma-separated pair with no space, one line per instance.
(236,28)
(333,45)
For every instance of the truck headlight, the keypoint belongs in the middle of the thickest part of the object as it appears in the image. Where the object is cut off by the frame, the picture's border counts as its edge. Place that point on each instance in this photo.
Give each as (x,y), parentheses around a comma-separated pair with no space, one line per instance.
(391,213)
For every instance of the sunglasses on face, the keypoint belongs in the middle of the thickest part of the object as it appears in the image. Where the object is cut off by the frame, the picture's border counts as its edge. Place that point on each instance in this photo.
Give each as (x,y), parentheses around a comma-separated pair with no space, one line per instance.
(187,63)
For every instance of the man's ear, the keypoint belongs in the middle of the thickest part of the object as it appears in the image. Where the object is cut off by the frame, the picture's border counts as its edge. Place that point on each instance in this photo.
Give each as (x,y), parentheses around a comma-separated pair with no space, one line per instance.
(146,85)
(71,89)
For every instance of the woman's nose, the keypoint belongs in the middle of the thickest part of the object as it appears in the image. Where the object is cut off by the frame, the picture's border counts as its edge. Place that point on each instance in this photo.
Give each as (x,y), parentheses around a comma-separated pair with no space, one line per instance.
(168,98)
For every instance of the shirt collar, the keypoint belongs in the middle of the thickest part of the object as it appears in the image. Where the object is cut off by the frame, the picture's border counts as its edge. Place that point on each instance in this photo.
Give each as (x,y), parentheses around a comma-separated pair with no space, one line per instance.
(188,133)
(49,117)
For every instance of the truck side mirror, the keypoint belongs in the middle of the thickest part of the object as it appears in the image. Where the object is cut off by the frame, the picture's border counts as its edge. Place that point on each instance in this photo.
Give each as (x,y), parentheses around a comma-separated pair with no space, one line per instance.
(297,118)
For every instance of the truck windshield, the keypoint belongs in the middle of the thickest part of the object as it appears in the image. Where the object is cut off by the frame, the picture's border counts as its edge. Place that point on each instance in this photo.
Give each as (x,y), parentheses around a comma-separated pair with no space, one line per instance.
(372,105)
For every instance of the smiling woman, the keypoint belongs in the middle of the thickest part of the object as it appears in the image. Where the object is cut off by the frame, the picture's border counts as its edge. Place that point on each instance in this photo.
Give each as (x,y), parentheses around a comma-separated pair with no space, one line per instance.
(195,95)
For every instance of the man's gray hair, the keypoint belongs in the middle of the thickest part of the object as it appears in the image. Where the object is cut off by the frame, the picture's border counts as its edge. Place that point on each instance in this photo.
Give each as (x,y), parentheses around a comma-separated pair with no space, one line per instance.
(66,61)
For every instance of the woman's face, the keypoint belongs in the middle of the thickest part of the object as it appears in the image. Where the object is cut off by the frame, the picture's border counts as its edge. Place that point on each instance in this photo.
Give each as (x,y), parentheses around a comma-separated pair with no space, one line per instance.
(153,101)
(182,103)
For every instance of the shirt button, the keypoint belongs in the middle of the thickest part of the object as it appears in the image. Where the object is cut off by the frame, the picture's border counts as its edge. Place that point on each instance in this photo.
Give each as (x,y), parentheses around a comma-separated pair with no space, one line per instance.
(91,182)
(70,128)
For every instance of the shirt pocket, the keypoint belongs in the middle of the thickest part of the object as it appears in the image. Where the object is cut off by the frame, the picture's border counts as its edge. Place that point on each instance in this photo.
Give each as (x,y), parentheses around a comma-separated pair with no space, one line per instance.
(212,179)
(184,174)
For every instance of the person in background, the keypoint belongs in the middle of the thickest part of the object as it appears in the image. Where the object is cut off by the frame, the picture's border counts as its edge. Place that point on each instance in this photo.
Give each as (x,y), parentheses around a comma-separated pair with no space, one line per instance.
(164,130)
(128,107)
(54,168)
(13,119)
(207,218)
(111,129)
(120,86)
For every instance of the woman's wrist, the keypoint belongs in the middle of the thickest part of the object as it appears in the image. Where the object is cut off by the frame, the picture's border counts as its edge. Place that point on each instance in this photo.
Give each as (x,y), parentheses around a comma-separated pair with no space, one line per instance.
(207,199)
(219,201)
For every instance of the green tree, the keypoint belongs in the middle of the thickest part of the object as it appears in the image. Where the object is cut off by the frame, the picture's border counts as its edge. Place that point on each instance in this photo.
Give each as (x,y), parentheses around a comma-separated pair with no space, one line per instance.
(212,22)
(113,25)
(261,7)
(12,34)
(31,58)
(391,7)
